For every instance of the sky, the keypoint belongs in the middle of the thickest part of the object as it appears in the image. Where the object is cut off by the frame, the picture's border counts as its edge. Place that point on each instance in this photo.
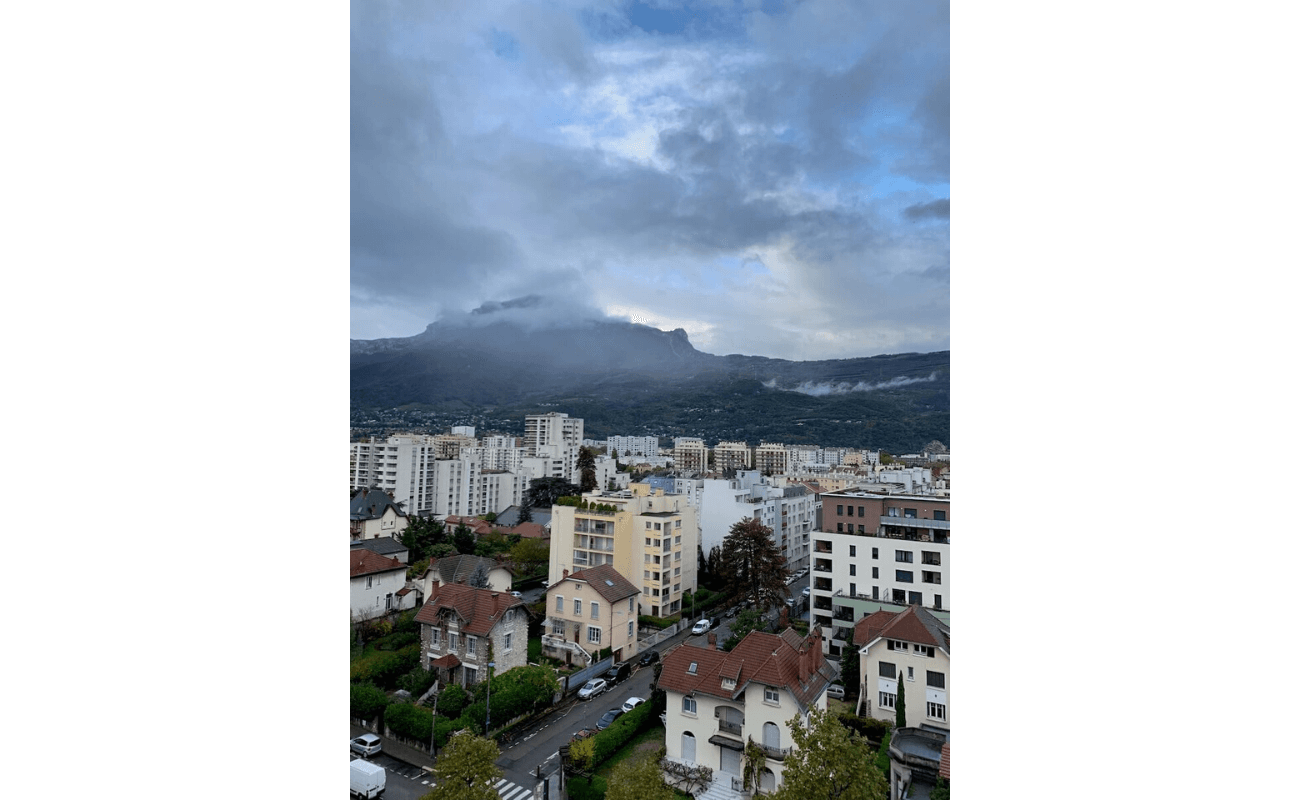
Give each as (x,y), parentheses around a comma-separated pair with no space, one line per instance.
(769,176)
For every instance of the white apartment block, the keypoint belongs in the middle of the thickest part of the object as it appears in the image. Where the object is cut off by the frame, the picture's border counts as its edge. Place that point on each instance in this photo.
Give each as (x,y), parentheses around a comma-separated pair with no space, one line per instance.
(463,488)
(789,511)
(463,430)
(888,548)
(689,453)
(653,537)
(554,435)
(732,455)
(495,453)
(632,446)
(771,458)
(408,468)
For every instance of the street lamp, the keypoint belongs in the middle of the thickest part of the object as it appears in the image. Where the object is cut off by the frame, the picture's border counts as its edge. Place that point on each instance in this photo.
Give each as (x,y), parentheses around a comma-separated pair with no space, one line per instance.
(487,722)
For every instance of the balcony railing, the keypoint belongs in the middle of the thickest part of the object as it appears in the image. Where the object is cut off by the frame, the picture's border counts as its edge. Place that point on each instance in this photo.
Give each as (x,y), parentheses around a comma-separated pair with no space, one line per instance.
(733,728)
(775,753)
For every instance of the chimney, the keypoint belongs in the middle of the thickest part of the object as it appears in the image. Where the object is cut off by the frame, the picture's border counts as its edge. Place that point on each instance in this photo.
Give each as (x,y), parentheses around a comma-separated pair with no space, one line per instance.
(785,617)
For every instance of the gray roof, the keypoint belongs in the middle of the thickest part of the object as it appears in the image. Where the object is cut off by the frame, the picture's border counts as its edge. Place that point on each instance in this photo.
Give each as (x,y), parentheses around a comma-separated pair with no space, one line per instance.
(384,546)
(371,504)
(510,517)
(458,569)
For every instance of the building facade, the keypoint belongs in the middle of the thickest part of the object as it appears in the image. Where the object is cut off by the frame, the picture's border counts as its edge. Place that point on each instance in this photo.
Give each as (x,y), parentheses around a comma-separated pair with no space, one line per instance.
(905,652)
(554,436)
(632,446)
(591,610)
(462,629)
(377,584)
(654,537)
(771,458)
(732,455)
(690,454)
(790,511)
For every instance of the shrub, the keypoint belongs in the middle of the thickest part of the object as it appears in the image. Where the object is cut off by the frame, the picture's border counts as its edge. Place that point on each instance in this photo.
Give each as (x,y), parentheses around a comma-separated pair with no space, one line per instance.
(580,789)
(451,701)
(882,756)
(417,681)
(417,569)
(383,668)
(647,621)
(368,701)
(624,728)
(396,641)
(411,721)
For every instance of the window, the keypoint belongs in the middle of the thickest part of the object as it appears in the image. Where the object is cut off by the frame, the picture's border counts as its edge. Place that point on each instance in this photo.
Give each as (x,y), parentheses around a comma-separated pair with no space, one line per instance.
(942,516)
(903,556)
(850,511)
(888,670)
(471,675)
(510,615)
(630,601)
(938,601)
(853,550)
(677,541)
(875,552)
(923,650)
(930,577)
(678,557)
(909,513)
(914,598)
(508,642)
(875,572)
(677,524)
(839,510)
(862,511)
(595,610)
(936,711)
(771,695)
(839,527)
(930,557)
(677,571)
(452,641)
(903,576)
(935,679)
(434,637)
(910,676)
(593,634)
(901,647)
(559,604)
(388,601)
(471,644)
(887,699)
(577,607)
(862,529)
(853,590)
(557,627)
(688,705)
(629,630)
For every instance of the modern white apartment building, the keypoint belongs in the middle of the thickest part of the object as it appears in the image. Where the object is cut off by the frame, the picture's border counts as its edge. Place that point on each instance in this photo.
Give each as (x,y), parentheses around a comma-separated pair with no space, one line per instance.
(651,536)
(408,468)
(555,436)
(689,453)
(464,488)
(789,511)
(878,547)
(632,446)
(732,455)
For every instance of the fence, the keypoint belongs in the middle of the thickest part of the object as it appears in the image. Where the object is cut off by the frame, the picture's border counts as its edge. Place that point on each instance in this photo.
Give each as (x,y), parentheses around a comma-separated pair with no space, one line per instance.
(573,683)
(657,637)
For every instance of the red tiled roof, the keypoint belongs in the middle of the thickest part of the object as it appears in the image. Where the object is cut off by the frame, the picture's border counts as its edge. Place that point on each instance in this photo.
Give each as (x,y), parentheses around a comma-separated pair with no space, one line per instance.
(528,530)
(759,658)
(606,580)
(365,562)
(944,764)
(479,609)
(912,624)
(446,662)
(480,527)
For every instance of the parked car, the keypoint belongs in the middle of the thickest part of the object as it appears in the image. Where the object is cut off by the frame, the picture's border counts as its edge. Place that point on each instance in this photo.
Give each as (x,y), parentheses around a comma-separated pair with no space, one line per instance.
(367,780)
(835,691)
(631,703)
(701,627)
(649,657)
(807,590)
(618,673)
(592,688)
(517,595)
(608,719)
(366,745)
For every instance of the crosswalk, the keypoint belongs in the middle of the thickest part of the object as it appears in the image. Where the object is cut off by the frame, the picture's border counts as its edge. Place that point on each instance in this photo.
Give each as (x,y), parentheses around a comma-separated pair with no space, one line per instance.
(511,791)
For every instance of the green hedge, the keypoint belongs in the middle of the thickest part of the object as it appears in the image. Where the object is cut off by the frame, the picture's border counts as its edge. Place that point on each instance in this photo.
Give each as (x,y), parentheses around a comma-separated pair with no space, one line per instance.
(411,721)
(579,789)
(624,728)
(451,701)
(383,668)
(882,756)
(368,701)
(647,621)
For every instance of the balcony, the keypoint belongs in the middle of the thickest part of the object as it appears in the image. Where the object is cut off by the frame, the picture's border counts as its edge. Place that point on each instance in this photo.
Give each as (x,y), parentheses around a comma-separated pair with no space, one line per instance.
(823,546)
(733,728)
(914,522)
(775,753)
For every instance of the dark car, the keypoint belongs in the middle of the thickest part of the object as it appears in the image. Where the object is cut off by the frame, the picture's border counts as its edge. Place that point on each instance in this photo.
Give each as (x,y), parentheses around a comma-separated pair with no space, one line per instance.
(649,657)
(608,719)
(618,673)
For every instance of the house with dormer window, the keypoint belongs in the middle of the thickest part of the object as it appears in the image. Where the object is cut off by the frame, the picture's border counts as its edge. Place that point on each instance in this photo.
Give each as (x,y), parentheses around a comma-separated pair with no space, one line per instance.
(591,610)
(718,702)
(905,652)
(463,628)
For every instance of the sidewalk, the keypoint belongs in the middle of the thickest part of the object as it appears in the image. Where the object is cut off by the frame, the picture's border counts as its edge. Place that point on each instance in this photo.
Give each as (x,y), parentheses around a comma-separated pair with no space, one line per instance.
(410,755)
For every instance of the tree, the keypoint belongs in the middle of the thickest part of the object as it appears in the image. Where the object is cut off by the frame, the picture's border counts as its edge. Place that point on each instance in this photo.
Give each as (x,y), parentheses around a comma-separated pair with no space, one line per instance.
(900,708)
(421,535)
(746,621)
(466,770)
(530,555)
(829,763)
(752,566)
(464,539)
(526,512)
(479,578)
(587,469)
(851,670)
(941,790)
(638,779)
(581,754)
(543,492)
(442,550)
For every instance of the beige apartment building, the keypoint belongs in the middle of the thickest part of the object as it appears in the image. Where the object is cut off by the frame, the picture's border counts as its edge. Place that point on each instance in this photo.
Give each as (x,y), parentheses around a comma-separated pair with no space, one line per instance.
(591,610)
(771,459)
(653,536)
(732,455)
(689,453)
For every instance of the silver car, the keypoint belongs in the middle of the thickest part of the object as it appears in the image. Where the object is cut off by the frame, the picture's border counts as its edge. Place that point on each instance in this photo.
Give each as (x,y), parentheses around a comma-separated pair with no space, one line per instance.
(592,688)
(367,744)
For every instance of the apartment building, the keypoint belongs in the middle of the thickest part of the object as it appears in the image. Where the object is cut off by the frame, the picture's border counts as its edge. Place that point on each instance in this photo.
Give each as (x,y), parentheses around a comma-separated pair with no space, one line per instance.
(732,455)
(554,436)
(398,466)
(717,702)
(464,488)
(872,546)
(771,458)
(632,446)
(689,453)
(590,610)
(906,652)
(653,536)
(790,511)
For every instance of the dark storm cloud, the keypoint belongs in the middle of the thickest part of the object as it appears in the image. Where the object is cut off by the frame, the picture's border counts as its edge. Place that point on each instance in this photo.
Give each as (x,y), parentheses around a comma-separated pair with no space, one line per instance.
(936,209)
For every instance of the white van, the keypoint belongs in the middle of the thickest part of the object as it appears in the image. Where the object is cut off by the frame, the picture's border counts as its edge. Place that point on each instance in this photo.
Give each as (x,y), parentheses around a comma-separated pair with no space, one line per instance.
(700,627)
(368,779)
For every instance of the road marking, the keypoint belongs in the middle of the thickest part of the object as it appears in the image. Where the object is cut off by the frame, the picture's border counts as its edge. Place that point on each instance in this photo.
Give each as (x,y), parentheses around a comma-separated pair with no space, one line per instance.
(514,792)
(497,785)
